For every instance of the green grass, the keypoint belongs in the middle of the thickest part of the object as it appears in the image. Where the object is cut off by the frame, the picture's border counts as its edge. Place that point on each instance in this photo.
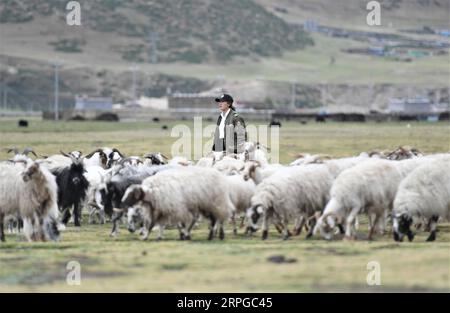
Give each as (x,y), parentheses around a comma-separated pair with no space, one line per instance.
(337,139)
(238,263)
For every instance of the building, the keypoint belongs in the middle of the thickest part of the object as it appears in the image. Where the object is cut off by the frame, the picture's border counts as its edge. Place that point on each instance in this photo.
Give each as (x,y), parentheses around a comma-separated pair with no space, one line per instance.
(410,106)
(93,103)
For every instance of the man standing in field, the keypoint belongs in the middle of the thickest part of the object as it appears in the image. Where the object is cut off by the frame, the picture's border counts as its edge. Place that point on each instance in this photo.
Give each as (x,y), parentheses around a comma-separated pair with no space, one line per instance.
(230,135)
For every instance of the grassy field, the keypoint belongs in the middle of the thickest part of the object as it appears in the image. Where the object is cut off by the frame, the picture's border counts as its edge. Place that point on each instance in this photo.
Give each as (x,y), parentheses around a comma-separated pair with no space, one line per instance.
(237,263)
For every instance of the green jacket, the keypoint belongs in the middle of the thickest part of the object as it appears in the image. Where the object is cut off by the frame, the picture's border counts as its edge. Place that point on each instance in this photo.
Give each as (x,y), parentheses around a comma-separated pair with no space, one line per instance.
(235,134)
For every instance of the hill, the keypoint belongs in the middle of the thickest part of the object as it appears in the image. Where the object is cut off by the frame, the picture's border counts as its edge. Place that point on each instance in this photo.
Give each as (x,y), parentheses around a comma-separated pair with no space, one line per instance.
(194,31)
(205,44)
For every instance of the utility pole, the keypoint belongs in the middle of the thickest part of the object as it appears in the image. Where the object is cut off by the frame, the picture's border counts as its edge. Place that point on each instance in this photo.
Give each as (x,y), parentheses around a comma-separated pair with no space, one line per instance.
(133,87)
(293,94)
(56,89)
(153,51)
(5,97)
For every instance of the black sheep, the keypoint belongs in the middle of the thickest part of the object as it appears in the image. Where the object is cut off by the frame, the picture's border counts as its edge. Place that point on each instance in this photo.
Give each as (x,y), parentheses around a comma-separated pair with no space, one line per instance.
(72,189)
(116,187)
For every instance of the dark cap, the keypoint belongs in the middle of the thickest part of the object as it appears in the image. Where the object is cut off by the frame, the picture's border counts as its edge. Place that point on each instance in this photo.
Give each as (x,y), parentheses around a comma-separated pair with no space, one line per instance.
(225,98)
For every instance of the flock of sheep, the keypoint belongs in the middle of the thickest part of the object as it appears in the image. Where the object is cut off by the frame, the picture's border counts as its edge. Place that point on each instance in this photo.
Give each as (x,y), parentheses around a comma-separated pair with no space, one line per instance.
(397,190)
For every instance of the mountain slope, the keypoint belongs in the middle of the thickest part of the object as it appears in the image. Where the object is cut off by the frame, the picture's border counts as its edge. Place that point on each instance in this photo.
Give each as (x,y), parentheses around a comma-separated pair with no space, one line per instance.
(193,31)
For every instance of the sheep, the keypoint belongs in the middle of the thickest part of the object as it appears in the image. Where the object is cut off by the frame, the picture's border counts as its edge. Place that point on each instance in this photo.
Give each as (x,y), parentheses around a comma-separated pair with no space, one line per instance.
(113,155)
(309,159)
(132,161)
(96,176)
(25,152)
(241,192)
(210,159)
(57,160)
(181,196)
(206,162)
(96,158)
(180,160)
(253,152)
(60,160)
(398,154)
(308,188)
(155,159)
(424,193)
(104,157)
(31,192)
(116,186)
(72,189)
(253,170)
(14,223)
(403,153)
(135,219)
(229,165)
(370,186)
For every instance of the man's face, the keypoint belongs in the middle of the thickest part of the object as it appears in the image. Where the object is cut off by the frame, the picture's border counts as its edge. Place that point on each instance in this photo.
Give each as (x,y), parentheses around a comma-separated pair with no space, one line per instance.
(224,106)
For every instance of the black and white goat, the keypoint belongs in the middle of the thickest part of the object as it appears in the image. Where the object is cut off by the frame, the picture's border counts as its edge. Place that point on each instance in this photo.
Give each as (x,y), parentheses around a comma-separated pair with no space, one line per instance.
(72,188)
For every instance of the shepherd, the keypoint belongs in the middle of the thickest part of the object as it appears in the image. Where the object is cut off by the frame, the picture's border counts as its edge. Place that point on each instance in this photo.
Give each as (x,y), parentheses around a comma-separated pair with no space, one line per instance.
(230,134)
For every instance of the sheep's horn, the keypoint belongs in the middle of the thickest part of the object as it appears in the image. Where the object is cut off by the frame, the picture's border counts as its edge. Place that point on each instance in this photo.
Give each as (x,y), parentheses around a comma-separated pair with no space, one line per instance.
(43,161)
(164,156)
(115,150)
(65,154)
(29,150)
(72,158)
(19,161)
(14,149)
(93,152)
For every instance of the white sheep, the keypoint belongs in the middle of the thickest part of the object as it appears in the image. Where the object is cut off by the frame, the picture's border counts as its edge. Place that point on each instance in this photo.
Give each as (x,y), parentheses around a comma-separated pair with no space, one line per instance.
(180,196)
(296,192)
(155,159)
(180,160)
(309,159)
(241,192)
(29,190)
(289,195)
(229,165)
(253,170)
(96,176)
(367,187)
(424,193)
